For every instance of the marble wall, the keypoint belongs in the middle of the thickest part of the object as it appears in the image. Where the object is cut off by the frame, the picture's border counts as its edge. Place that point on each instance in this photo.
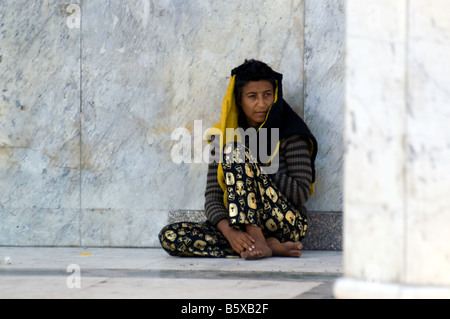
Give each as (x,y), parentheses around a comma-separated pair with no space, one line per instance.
(39,125)
(92,90)
(324,97)
(397,171)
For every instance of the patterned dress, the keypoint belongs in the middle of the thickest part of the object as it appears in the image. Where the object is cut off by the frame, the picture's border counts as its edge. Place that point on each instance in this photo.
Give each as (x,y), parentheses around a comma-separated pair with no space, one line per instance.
(273,202)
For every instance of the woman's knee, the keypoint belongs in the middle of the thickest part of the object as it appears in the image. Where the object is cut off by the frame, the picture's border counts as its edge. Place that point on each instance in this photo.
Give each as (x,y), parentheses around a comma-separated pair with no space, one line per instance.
(238,163)
(167,238)
(237,153)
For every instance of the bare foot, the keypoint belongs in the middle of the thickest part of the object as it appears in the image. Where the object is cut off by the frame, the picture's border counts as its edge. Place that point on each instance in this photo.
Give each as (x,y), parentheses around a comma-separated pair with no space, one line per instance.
(257,253)
(286,249)
(261,249)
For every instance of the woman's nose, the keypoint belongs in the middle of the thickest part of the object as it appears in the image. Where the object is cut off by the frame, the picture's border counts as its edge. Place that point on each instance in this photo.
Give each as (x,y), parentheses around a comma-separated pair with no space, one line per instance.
(260,102)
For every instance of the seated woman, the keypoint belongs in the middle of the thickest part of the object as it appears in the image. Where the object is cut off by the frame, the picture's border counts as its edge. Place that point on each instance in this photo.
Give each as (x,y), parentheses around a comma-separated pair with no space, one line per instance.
(252,210)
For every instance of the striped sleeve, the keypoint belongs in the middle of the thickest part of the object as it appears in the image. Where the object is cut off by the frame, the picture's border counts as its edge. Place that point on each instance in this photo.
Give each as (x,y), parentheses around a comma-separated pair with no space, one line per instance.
(294,176)
(215,209)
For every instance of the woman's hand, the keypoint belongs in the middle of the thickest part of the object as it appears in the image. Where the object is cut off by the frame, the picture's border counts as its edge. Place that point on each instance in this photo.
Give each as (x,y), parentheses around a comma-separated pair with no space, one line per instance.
(240,241)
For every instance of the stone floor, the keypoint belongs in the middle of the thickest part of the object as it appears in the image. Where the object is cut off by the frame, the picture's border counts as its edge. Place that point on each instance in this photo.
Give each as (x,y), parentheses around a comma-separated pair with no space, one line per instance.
(107,273)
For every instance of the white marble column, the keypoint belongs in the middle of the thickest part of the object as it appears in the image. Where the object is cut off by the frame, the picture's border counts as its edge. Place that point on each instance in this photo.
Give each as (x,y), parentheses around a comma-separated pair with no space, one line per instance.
(397,158)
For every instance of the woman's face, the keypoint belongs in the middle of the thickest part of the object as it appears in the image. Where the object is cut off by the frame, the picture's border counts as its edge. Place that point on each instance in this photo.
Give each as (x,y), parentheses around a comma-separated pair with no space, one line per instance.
(257,97)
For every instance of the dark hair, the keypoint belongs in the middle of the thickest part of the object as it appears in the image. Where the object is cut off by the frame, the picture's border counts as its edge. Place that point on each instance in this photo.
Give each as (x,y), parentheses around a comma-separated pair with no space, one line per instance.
(251,70)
